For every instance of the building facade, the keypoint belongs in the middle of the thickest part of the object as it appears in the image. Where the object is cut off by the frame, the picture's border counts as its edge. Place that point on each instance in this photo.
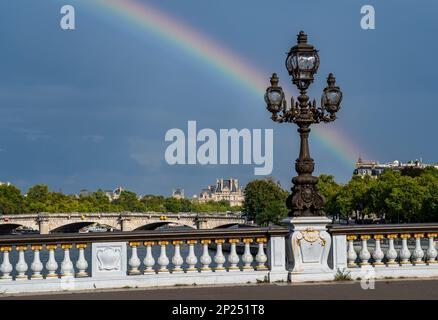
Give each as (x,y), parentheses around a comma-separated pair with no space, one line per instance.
(178,193)
(111,194)
(374,168)
(224,189)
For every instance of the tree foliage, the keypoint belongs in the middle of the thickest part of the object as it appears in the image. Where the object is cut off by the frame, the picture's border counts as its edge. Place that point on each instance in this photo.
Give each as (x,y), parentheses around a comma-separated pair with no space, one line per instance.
(265,201)
(11,200)
(407,196)
(39,199)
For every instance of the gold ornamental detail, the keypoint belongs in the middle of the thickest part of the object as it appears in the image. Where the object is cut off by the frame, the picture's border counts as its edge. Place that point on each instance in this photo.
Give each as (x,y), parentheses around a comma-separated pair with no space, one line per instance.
(311,235)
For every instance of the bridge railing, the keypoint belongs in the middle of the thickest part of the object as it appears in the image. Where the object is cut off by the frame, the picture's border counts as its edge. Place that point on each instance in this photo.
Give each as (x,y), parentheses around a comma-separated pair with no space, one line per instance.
(56,262)
(385,251)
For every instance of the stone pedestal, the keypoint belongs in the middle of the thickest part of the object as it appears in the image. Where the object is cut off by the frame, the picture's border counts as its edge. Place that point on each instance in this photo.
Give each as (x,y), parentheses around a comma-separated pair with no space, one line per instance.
(308,249)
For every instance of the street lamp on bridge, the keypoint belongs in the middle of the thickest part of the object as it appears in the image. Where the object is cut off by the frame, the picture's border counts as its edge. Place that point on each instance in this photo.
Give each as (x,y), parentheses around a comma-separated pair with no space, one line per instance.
(302,63)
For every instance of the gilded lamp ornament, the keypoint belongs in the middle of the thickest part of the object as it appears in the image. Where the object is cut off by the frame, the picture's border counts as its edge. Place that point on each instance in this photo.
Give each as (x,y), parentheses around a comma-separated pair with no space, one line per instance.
(302,63)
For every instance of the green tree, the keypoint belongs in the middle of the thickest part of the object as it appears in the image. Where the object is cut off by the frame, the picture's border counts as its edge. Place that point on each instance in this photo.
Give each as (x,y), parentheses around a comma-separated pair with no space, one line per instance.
(406,199)
(359,190)
(381,190)
(36,198)
(97,202)
(11,200)
(59,202)
(265,201)
(330,190)
(352,198)
(172,205)
(429,180)
(129,202)
(273,213)
(153,203)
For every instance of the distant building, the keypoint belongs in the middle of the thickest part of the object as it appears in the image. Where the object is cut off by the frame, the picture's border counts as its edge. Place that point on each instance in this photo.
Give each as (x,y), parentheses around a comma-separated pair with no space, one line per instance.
(5,183)
(85,193)
(178,193)
(116,193)
(111,194)
(374,168)
(225,189)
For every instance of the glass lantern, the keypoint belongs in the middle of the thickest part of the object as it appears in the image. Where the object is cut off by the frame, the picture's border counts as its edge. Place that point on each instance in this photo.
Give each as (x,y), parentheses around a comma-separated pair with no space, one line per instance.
(332,96)
(302,62)
(274,95)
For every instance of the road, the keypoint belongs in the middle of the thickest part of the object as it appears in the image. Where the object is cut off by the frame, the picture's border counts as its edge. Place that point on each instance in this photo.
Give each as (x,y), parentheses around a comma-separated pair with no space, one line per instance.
(384,289)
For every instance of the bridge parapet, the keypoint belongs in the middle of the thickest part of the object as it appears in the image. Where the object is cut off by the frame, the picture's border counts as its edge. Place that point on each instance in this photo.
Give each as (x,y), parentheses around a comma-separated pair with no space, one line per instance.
(379,251)
(159,258)
(113,260)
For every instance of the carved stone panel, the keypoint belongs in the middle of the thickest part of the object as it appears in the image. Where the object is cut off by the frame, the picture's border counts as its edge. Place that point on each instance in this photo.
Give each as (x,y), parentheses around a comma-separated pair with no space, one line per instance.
(109,259)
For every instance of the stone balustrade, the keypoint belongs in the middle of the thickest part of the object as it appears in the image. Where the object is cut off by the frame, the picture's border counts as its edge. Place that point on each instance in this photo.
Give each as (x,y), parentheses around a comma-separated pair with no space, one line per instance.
(310,250)
(383,251)
(141,259)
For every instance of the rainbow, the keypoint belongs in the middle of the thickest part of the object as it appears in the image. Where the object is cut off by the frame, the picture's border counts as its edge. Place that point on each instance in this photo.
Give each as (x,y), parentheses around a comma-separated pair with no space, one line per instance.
(149,18)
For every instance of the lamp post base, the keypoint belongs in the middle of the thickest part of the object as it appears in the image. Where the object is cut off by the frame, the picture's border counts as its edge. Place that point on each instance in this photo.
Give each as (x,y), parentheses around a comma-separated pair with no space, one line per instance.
(308,248)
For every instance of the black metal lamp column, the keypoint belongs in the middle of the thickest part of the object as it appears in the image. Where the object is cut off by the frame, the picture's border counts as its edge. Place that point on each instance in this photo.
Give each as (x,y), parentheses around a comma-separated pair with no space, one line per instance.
(302,63)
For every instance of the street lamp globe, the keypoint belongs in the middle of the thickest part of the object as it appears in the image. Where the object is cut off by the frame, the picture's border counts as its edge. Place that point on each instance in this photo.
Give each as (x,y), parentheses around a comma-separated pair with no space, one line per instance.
(332,96)
(274,95)
(302,62)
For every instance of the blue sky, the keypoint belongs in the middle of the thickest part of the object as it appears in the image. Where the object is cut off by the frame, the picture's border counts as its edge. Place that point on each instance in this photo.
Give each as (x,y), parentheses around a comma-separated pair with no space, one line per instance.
(89,108)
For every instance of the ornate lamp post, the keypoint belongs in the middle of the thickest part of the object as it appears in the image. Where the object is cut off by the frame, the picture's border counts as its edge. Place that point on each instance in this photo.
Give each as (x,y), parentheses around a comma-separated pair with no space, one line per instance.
(309,242)
(302,62)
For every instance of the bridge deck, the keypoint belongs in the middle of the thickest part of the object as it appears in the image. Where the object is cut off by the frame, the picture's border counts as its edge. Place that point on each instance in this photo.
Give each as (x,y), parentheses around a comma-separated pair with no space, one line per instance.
(384,289)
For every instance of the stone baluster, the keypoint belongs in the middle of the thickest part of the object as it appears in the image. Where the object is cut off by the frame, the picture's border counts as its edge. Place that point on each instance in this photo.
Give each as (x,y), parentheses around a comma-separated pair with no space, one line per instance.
(219,257)
(21,265)
(351,253)
(66,264)
(149,260)
(82,263)
(36,265)
(364,254)
(378,254)
(431,252)
(6,266)
(233,258)
(405,254)
(134,262)
(205,258)
(191,259)
(163,260)
(247,257)
(177,259)
(418,253)
(261,256)
(391,254)
(51,264)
